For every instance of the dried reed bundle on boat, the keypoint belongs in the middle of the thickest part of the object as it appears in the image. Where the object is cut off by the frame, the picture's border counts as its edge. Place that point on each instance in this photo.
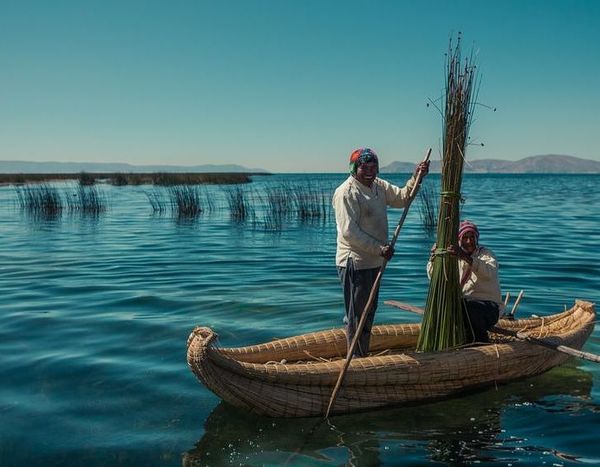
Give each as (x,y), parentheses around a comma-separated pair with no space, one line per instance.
(444,323)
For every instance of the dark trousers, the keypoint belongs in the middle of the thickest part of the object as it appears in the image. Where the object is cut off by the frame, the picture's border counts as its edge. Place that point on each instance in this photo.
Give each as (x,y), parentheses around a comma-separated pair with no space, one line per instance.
(357,285)
(482,315)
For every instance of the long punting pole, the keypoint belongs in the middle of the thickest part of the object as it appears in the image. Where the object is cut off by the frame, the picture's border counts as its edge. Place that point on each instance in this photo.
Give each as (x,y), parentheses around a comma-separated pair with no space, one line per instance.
(517,334)
(371,300)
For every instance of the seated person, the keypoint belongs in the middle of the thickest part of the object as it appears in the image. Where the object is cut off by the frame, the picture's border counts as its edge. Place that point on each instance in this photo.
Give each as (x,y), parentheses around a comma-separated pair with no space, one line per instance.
(478,270)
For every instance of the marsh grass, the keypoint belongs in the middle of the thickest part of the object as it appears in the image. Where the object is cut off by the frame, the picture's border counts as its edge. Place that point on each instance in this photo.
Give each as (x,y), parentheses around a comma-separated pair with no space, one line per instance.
(42,199)
(239,202)
(185,200)
(312,203)
(86,199)
(427,208)
(86,179)
(156,197)
(175,178)
(277,206)
(122,179)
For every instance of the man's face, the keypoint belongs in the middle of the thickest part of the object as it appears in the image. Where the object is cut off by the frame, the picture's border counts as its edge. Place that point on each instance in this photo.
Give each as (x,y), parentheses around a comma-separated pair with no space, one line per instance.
(366,173)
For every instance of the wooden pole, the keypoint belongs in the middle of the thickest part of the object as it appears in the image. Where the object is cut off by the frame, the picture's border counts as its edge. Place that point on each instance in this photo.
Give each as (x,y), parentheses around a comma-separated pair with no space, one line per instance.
(514,308)
(506,299)
(516,334)
(374,289)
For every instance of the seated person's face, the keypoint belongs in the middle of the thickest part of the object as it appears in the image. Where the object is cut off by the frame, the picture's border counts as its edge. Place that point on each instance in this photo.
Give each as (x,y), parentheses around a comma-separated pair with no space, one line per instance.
(468,243)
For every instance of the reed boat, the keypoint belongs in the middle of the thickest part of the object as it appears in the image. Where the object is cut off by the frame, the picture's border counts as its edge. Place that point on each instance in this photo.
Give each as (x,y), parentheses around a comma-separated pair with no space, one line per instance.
(295,376)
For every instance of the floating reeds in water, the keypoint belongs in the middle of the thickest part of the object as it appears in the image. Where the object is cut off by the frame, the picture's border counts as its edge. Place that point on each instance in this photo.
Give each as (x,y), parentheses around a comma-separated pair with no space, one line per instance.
(444,323)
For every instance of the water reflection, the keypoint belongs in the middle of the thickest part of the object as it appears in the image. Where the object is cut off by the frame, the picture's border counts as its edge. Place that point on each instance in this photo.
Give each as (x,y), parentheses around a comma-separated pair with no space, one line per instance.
(463,430)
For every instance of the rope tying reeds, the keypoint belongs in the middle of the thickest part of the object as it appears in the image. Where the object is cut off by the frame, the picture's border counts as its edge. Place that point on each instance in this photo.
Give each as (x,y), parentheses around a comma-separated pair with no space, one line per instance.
(451,194)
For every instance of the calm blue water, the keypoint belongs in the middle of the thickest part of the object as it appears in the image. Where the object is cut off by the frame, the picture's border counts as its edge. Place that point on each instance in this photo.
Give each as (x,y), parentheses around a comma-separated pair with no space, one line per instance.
(96,312)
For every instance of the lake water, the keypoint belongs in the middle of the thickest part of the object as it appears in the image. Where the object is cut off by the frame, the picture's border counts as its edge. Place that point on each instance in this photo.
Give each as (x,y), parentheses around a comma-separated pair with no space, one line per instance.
(96,311)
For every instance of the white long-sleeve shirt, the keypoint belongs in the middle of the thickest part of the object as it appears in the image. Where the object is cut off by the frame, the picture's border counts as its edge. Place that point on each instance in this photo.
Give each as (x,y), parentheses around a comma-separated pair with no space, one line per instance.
(361,219)
(482,283)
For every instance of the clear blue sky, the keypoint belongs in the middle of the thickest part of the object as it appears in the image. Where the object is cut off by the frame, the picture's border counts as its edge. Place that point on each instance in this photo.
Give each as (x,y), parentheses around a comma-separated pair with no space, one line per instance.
(290,86)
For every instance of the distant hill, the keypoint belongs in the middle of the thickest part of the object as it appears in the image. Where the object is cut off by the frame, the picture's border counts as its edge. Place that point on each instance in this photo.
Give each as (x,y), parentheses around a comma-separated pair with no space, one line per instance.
(9,167)
(550,163)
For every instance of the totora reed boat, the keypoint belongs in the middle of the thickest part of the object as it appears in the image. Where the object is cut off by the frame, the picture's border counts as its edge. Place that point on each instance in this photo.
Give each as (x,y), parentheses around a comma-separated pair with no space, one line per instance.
(295,376)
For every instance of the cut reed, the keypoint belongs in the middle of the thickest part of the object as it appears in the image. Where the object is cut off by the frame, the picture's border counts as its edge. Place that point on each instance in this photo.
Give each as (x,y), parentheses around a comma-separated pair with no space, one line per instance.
(444,323)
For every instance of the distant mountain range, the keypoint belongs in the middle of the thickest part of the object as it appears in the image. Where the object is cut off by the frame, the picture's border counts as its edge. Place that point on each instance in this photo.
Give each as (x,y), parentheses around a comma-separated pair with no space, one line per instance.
(9,167)
(550,163)
(535,164)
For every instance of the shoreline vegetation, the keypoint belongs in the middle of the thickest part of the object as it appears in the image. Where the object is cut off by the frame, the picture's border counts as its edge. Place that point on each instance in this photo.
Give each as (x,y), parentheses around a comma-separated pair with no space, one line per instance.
(122,179)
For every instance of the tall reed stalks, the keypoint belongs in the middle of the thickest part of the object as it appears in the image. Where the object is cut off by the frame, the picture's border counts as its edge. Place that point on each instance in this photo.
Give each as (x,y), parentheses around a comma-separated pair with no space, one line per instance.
(277,206)
(86,200)
(428,208)
(444,323)
(157,200)
(239,203)
(312,203)
(42,199)
(185,200)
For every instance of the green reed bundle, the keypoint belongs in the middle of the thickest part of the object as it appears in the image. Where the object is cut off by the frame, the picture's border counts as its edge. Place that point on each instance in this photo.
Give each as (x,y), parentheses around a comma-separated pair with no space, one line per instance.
(444,323)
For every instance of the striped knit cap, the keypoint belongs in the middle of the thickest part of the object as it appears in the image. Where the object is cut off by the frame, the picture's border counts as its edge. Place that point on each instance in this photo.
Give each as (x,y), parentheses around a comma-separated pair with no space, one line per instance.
(362,156)
(467,226)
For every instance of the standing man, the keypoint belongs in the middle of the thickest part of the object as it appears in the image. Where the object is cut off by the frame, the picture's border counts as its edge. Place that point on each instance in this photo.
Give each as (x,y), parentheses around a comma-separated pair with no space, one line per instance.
(360,205)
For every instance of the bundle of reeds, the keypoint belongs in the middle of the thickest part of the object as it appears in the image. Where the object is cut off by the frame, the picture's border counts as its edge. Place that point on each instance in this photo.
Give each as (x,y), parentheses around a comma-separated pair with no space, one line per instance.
(444,323)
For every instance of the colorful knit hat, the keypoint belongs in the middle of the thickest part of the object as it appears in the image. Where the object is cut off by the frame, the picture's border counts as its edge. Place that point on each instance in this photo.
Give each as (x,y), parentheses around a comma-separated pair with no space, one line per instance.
(467,226)
(362,156)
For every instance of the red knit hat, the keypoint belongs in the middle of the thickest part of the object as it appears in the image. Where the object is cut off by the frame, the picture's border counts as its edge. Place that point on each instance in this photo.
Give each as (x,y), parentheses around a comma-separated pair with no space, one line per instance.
(467,226)
(362,156)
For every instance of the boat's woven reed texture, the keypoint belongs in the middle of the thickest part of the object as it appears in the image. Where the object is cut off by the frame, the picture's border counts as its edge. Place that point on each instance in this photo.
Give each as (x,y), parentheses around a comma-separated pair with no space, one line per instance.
(294,377)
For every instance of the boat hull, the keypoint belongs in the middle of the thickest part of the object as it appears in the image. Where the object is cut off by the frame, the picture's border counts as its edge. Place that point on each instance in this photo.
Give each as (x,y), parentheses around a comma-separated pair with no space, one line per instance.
(295,377)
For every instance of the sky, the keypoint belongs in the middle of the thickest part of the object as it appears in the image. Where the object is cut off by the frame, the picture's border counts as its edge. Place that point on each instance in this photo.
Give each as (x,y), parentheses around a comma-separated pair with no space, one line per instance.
(291,86)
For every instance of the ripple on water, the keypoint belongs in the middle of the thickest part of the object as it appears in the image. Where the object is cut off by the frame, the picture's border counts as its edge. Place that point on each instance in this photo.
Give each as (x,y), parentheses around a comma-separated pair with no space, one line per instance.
(96,313)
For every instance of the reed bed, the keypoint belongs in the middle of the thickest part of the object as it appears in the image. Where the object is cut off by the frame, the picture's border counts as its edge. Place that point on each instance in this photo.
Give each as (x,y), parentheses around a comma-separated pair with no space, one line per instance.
(239,203)
(180,200)
(157,200)
(175,178)
(42,199)
(86,179)
(122,179)
(303,201)
(312,202)
(444,323)
(86,199)
(277,206)
(427,207)
(185,200)
(271,208)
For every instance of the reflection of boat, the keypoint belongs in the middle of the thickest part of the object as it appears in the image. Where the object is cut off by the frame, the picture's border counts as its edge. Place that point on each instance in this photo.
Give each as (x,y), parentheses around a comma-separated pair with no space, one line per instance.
(294,377)
(465,428)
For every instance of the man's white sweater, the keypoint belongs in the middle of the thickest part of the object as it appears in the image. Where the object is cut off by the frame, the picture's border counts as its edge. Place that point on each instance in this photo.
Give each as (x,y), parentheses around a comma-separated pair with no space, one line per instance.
(361,218)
